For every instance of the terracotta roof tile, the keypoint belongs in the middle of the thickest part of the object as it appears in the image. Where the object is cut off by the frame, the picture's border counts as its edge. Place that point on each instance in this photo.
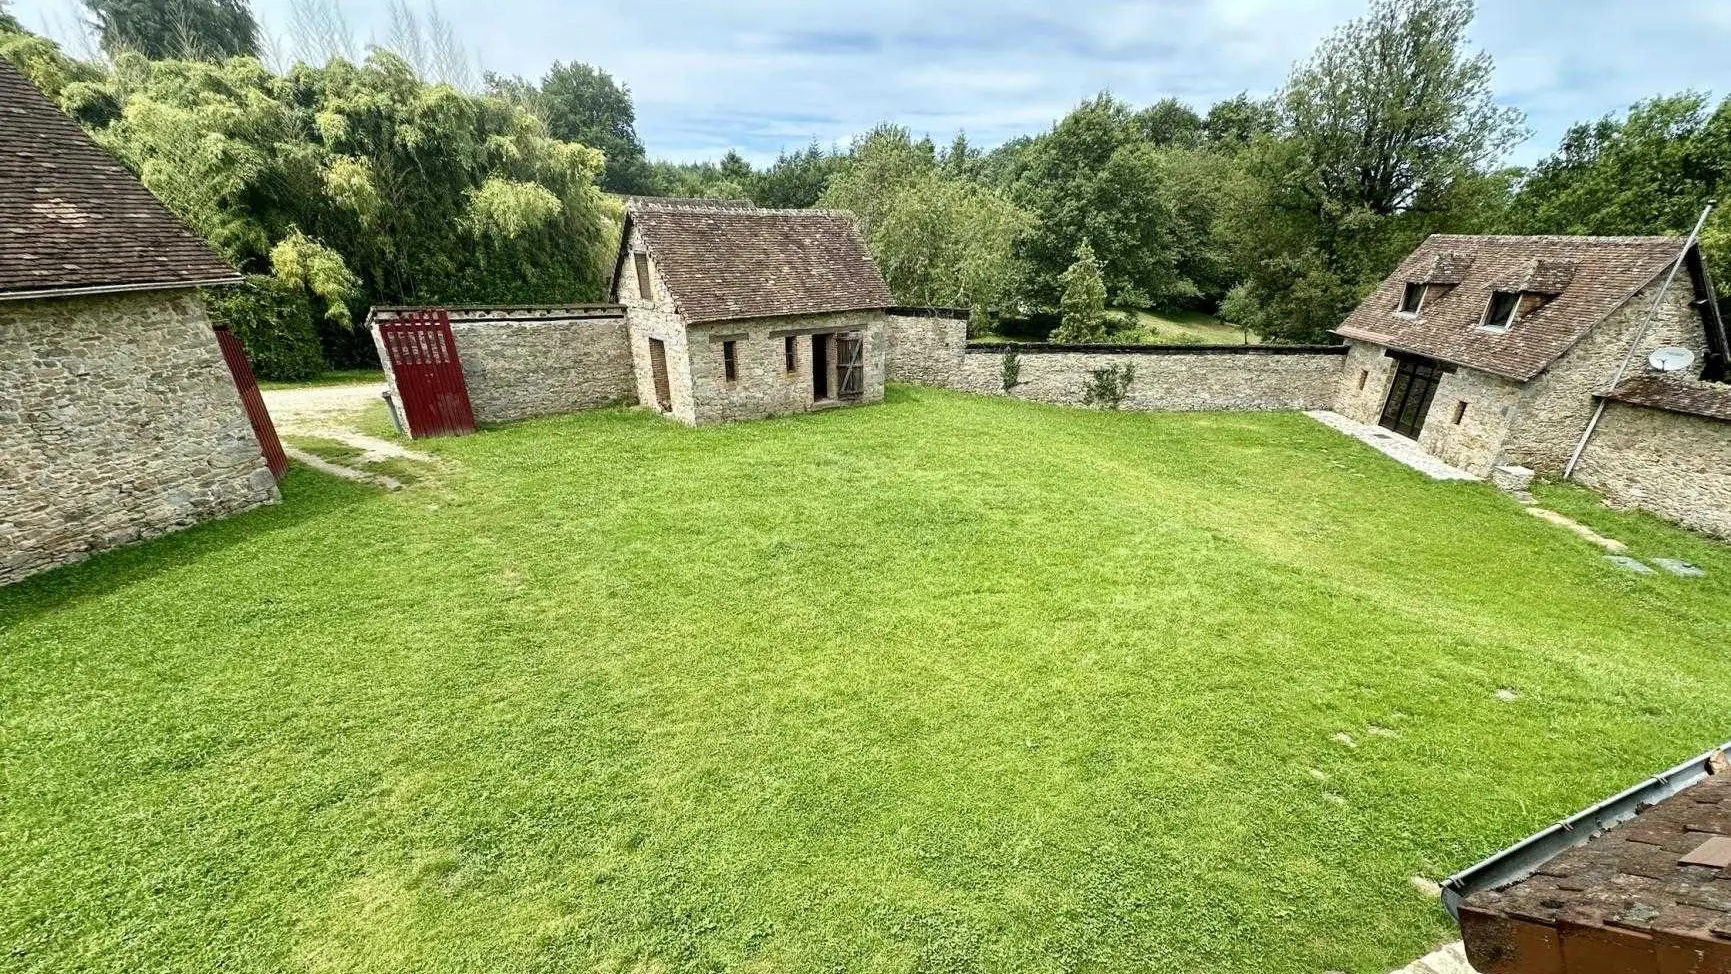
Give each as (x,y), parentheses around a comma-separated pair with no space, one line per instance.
(73,218)
(1590,276)
(726,263)
(1676,393)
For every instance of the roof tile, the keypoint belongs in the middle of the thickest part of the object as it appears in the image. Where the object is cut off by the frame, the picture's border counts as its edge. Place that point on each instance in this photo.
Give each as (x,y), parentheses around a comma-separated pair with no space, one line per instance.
(72,217)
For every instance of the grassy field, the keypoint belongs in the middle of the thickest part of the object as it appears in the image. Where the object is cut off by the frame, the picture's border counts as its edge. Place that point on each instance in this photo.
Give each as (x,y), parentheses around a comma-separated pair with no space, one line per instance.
(948,684)
(1191,328)
(335,377)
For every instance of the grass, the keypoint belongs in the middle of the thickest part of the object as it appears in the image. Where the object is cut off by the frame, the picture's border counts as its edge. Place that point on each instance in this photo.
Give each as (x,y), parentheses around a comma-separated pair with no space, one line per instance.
(949,684)
(1191,328)
(335,377)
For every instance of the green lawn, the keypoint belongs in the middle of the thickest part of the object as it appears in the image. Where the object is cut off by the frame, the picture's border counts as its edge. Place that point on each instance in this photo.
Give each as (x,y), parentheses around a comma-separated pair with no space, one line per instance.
(335,377)
(949,684)
(1191,328)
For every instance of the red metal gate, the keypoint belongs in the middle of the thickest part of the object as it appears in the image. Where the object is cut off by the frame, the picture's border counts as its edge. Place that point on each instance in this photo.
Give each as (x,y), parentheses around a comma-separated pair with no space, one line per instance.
(234,353)
(429,375)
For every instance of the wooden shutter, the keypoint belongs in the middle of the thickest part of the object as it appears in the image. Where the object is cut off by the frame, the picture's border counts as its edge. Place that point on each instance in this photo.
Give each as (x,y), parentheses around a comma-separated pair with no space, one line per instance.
(645,287)
(850,366)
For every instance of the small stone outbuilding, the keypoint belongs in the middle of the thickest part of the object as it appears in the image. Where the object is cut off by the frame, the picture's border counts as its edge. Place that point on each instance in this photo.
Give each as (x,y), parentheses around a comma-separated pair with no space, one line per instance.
(734,312)
(119,419)
(1493,351)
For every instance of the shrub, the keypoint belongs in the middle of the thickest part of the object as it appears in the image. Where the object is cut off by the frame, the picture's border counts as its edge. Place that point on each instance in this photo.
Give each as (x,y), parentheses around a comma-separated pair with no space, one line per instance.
(1012,370)
(1083,306)
(275,322)
(1107,387)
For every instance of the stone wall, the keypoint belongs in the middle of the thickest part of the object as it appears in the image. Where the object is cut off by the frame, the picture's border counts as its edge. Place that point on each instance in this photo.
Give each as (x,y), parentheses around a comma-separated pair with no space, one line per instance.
(1673,465)
(764,386)
(541,361)
(1559,403)
(1473,444)
(927,349)
(1167,378)
(119,422)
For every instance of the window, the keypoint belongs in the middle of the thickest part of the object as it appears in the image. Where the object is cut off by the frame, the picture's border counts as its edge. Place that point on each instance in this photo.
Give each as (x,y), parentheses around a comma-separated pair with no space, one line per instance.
(790,353)
(1460,412)
(1500,314)
(1413,300)
(1363,378)
(645,289)
(730,360)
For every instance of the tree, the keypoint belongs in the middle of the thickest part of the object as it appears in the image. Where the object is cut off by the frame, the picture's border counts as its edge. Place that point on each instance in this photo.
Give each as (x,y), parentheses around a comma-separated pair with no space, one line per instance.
(208,30)
(1169,122)
(1387,134)
(583,104)
(797,179)
(1083,306)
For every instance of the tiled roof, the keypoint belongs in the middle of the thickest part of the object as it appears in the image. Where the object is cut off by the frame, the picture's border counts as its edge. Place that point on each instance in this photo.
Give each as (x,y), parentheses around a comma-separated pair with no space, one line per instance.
(726,263)
(1676,393)
(1590,276)
(689,203)
(1653,886)
(72,219)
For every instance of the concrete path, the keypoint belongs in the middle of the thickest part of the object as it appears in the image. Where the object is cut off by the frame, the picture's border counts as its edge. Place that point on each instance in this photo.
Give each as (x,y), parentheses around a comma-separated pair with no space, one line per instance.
(303,410)
(1393,445)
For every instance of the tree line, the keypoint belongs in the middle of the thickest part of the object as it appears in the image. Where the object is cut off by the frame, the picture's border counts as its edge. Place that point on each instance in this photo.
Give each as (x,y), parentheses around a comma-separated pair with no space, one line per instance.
(343,175)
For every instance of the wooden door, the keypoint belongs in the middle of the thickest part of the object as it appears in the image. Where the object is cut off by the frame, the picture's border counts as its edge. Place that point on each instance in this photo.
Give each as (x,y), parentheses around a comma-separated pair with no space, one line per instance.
(1409,396)
(427,373)
(658,371)
(240,367)
(849,366)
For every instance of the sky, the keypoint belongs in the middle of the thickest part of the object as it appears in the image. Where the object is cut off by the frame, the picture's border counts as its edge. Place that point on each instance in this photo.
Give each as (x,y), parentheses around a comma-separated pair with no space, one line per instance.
(761,76)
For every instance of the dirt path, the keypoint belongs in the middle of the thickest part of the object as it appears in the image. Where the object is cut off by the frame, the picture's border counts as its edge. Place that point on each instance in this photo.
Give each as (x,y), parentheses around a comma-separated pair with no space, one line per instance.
(319,408)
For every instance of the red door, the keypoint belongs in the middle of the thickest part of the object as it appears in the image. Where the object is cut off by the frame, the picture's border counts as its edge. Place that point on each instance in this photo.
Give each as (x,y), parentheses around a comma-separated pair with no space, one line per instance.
(239,366)
(429,375)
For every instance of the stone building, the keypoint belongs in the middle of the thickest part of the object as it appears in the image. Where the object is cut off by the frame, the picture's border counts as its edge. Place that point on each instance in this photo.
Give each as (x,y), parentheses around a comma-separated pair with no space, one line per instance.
(733,312)
(118,418)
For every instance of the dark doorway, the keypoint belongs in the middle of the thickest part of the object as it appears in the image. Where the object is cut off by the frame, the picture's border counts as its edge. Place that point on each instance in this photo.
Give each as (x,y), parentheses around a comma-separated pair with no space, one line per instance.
(658,371)
(820,367)
(1410,395)
(849,366)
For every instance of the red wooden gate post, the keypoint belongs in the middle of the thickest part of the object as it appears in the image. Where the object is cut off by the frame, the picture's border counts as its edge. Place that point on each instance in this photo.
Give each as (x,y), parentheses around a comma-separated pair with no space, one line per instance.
(234,353)
(428,373)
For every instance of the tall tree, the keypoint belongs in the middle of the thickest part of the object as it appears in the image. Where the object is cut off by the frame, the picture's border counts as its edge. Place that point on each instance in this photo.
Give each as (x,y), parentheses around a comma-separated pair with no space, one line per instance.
(207,30)
(1082,309)
(582,103)
(1388,133)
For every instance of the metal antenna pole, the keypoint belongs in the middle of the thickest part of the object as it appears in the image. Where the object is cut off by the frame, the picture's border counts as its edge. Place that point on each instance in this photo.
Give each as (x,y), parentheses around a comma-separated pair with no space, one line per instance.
(1635,346)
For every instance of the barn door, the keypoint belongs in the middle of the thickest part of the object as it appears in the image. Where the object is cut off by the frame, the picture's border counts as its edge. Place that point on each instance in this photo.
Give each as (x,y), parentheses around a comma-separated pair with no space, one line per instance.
(428,374)
(658,372)
(849,366)
(240,367)
(1410,396)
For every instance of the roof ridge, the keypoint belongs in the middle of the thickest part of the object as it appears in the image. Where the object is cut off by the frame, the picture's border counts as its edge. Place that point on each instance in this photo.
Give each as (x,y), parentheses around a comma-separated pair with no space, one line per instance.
(1565,237)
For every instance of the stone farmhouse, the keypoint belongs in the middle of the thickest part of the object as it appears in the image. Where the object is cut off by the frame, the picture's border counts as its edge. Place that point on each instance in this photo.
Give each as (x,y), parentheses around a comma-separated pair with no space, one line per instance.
(119,419)
(734,312)
(1494,351)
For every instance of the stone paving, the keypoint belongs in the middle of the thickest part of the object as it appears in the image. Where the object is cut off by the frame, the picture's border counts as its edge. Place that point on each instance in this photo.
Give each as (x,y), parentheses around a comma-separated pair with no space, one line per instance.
(1392,445)
(1447,960)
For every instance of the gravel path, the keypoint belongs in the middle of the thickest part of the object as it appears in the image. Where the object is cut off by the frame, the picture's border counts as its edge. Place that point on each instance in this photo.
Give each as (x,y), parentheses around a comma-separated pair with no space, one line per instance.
(321,407)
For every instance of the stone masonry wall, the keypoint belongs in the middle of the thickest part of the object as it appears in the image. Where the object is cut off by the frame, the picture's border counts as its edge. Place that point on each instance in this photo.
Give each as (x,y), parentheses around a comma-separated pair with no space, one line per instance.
(764,386)
(926,350)
(654,317)
(1673,465)
(1229,377)
(519,369)
(119,422)
(1474,444)
(1560,401)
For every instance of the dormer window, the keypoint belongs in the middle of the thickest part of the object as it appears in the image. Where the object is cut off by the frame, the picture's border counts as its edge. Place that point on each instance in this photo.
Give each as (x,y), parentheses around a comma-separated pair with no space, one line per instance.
(1413,300)
(1501,313)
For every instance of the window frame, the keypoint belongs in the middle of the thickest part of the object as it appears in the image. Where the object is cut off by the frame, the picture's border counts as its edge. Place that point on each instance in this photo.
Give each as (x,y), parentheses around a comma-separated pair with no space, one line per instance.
(1423,291)
(790,354)
(1460,413)
(1508,320)
(645,283)
(730,360)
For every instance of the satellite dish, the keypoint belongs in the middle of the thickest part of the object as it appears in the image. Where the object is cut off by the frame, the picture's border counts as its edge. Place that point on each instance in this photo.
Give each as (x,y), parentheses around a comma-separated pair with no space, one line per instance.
(1671,359)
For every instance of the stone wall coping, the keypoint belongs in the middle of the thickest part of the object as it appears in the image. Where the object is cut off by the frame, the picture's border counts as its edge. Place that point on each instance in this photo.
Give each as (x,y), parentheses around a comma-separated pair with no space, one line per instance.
(957,314)
(461,314)
(1046,348)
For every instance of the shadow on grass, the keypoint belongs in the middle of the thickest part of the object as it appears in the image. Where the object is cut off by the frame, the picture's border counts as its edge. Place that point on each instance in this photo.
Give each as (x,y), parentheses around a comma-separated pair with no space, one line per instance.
(308,496)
